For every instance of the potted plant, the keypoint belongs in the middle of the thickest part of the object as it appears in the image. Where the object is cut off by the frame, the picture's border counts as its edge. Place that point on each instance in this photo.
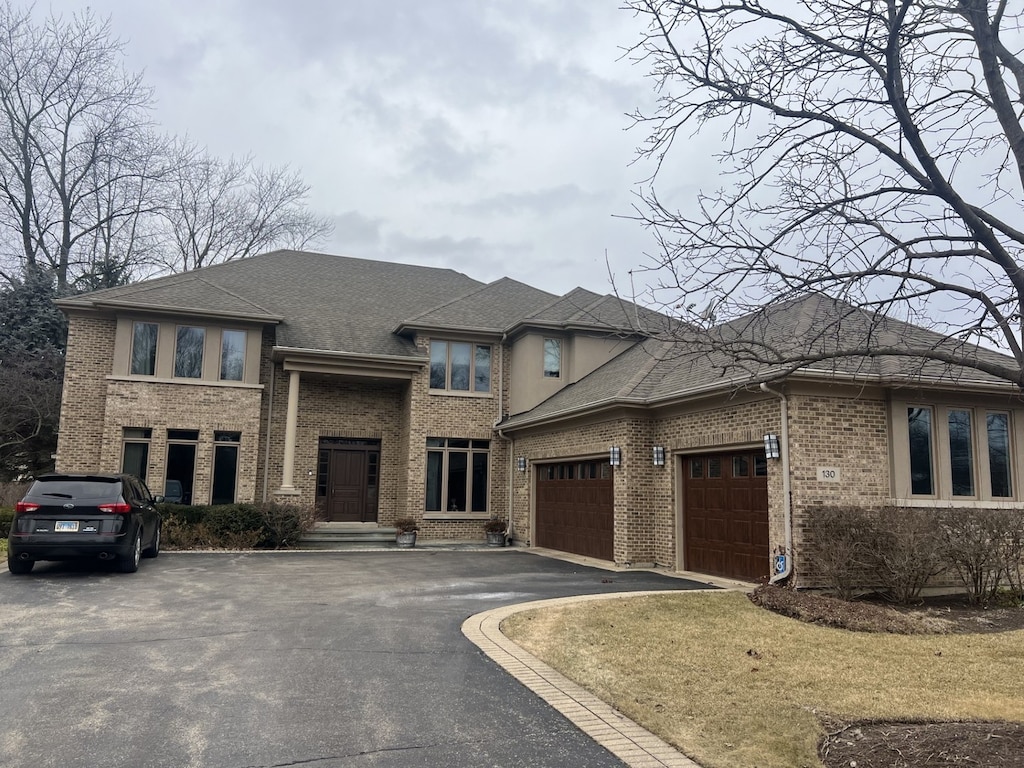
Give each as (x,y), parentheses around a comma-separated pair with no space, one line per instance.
(405,532)
(495,530)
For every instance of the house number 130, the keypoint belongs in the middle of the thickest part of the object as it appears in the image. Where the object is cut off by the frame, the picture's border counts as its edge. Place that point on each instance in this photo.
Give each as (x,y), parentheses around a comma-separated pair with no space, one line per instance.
(828,474)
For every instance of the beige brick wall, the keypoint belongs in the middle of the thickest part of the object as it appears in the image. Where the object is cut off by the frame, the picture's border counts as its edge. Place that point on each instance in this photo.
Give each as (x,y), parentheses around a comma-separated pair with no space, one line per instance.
(838,431)
(96,407)
(206,408)
(90,356)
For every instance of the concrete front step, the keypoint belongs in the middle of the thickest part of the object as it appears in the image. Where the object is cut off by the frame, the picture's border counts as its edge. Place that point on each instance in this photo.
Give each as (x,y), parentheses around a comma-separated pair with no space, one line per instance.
(347,536)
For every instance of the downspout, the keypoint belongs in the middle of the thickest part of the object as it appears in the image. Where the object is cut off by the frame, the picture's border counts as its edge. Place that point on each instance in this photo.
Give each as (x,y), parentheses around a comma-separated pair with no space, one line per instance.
(787,501)
(270,420)
(502,435)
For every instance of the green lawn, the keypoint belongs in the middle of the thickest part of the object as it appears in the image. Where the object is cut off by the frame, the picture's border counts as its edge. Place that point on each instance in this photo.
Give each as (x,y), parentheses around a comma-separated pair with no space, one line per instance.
(734,685)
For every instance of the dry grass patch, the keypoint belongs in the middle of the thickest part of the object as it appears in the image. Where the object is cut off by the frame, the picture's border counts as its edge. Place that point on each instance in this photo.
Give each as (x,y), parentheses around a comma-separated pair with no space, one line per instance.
(732,685)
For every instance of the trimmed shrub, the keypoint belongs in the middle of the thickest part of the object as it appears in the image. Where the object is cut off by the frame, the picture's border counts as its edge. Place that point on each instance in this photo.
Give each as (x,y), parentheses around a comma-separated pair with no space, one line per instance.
(975,545)
(234,526)
(840,538)
(6,517)
(905,551)
(284,524)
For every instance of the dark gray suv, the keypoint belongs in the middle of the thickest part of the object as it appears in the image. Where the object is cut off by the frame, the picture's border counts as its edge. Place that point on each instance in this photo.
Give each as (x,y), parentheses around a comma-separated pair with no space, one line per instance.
(80,516)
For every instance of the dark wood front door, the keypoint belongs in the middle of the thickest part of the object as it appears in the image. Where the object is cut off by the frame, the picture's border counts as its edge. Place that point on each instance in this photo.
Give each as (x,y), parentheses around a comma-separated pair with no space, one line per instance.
(350,484)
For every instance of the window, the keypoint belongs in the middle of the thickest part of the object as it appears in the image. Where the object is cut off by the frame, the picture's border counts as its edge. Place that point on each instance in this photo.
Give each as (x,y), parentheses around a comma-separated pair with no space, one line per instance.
(457,475)
(961,456)
(232,355)
(188,352)
(971,458)
(552,358)
(143,358)
(919,426)
(997,427)
(181,461)
(225,466)
(135,454)
(459,366)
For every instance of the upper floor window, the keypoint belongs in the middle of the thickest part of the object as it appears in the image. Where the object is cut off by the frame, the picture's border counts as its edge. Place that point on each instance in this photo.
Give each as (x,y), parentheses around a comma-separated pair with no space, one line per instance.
(232,355)
(188,352)
(143,357)
(460,366)
(959,469)
(552,358)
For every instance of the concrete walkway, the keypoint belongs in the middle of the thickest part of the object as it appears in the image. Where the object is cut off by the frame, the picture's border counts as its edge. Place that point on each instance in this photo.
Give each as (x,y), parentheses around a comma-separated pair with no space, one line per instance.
(631,743)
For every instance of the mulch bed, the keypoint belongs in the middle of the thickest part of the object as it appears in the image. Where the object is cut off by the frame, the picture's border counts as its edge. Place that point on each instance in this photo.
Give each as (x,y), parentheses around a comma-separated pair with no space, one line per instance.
(908,745)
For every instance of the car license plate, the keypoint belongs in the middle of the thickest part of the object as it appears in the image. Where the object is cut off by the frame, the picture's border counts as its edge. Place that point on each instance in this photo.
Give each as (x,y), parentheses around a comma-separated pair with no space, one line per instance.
(65,526)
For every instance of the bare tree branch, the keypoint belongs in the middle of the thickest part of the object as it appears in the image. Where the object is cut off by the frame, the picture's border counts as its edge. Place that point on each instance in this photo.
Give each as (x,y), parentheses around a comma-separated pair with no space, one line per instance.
(873,152)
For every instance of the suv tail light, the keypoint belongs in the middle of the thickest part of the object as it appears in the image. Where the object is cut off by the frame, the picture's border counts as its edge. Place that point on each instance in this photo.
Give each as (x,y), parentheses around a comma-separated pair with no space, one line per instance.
(25,506)
(115,509)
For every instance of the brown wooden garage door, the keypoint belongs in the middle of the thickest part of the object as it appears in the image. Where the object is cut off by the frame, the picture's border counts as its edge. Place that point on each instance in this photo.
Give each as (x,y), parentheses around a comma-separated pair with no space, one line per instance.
(725,514)
(575,508)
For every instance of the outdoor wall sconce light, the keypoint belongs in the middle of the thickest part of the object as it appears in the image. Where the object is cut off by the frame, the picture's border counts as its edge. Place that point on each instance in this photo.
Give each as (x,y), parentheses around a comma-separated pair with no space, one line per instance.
(615,456)
(521,463)
(771,446)
(659,455)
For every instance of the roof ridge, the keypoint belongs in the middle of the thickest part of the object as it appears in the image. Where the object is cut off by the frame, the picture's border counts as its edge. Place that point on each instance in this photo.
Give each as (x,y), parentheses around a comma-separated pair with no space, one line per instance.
(231,293)
(654,357)
(454,300)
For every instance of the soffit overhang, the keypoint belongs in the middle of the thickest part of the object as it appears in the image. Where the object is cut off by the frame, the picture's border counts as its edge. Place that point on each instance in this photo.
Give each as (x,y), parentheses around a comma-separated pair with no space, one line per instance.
(194,313)
(333,363)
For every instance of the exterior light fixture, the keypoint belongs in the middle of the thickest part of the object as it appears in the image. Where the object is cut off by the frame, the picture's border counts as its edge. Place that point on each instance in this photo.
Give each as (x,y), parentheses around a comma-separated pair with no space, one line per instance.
(659,455)
(771,446)
(521,463)
(615,456)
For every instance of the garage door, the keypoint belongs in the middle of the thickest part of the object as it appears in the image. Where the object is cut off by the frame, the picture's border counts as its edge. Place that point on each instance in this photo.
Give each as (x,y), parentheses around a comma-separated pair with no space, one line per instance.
(575,508)
(725,515)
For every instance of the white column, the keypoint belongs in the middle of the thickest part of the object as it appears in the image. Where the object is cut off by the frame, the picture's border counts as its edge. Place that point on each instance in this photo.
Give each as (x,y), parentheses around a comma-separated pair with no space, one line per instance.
(288,470)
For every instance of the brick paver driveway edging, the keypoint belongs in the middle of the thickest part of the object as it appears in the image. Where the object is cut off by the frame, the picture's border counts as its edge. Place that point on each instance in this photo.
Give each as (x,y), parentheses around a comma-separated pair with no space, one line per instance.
(631,743)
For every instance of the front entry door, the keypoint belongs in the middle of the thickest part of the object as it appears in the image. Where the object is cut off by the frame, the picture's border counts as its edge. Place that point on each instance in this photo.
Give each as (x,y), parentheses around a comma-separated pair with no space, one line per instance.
(352,484)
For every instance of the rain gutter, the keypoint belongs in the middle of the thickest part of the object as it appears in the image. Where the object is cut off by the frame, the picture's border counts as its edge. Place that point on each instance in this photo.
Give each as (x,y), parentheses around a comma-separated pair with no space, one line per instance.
(787,500)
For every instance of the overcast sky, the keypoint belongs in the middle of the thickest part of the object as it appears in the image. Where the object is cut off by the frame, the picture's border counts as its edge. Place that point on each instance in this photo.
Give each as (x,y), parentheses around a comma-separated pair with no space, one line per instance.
(489,137)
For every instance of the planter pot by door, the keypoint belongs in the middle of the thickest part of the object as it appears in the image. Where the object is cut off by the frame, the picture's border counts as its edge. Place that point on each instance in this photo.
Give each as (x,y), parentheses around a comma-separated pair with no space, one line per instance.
(406,540)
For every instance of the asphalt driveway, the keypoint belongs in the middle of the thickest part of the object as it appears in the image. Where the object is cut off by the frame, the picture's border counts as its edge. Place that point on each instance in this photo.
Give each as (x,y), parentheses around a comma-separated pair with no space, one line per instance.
(281,659)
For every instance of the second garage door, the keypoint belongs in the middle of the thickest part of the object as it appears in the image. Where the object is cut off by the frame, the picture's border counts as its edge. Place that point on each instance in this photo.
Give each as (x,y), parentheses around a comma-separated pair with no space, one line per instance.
(725,515)
(575,508)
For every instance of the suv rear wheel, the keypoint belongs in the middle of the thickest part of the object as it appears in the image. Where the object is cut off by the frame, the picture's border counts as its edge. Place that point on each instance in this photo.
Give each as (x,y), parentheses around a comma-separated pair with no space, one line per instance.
(19,566)
(130,563)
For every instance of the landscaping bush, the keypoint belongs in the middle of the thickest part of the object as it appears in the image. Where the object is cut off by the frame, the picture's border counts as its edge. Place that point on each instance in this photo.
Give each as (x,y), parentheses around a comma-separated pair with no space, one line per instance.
(979,544)
(905,550)
(839,537)
(898,550)
(284,524)
(6,516)
(234,526)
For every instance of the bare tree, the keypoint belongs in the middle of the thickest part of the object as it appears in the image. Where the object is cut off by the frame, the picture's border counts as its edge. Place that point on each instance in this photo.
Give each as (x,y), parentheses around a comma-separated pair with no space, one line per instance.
(873,152)
(75,143)
(221,210)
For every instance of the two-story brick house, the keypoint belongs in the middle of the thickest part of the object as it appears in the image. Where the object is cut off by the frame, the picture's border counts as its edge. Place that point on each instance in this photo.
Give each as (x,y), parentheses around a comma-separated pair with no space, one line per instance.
(378,390)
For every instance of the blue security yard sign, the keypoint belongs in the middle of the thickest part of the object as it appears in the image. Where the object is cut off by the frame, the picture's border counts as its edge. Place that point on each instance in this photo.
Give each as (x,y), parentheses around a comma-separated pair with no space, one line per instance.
(780,563)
